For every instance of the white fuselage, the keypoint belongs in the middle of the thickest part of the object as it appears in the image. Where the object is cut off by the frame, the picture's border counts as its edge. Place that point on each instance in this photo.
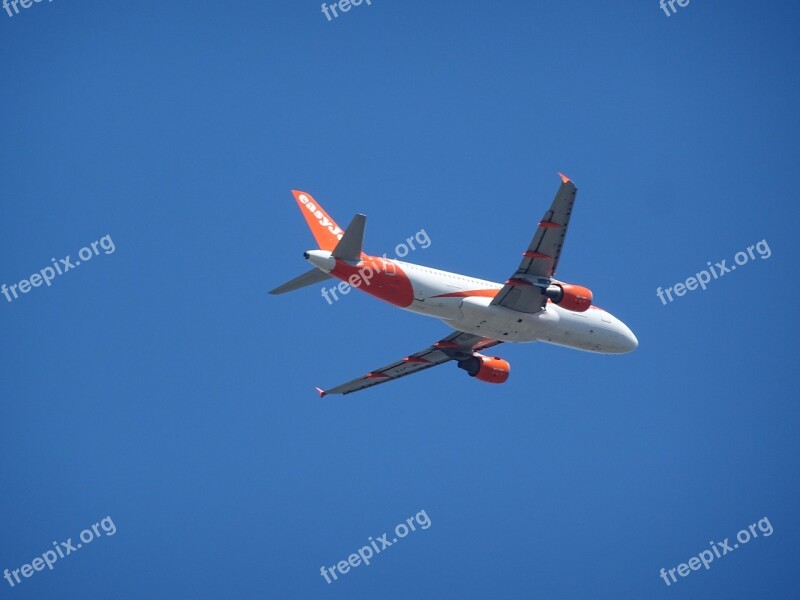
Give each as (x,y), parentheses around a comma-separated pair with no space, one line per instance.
(452,297)
(464,303)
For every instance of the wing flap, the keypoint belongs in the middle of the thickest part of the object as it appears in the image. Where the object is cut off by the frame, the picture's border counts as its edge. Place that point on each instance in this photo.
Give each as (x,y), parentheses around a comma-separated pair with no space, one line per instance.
(456,346)
(524,291)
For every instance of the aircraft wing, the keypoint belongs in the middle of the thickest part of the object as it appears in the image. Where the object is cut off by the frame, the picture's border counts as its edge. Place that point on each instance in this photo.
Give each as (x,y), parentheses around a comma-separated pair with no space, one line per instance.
(524,290)
(456,346)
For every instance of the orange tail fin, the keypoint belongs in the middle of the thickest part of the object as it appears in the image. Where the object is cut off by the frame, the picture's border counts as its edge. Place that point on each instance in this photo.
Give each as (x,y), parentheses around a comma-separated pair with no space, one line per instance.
(325,230)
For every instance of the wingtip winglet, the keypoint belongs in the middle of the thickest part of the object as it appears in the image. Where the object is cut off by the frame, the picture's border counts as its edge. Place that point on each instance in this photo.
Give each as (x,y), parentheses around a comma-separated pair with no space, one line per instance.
(564,178)
(322,393)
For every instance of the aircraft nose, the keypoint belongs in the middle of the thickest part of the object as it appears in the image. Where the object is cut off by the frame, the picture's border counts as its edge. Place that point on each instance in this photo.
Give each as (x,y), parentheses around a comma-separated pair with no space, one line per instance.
(631,343)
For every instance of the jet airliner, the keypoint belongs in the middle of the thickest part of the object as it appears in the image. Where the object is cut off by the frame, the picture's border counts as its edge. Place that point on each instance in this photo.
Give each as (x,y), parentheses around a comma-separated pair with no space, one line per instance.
(530,306)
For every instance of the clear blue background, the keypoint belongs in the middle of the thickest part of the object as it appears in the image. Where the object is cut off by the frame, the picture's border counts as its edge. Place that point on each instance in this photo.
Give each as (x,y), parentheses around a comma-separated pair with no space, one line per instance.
(162,386)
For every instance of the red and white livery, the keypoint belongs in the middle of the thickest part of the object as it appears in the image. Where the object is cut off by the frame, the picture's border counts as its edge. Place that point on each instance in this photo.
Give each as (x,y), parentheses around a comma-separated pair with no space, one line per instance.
(530,306)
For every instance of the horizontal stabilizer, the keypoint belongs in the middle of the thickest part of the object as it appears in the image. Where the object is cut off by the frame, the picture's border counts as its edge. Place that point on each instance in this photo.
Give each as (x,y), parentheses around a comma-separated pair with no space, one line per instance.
(349,247)
(310,278)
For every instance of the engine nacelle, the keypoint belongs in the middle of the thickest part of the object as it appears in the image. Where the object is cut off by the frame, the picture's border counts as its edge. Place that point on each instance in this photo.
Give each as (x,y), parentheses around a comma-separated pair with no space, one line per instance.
(490,369)
(572,297)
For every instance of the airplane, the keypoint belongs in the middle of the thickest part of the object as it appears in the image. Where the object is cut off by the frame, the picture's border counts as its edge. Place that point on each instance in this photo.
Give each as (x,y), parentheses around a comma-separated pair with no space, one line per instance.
(531,306)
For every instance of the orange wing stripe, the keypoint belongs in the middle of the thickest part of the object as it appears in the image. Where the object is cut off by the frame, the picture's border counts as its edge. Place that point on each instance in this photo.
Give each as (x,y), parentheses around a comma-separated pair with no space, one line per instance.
(377,376)
(490,293)
(446,345)
(520,282)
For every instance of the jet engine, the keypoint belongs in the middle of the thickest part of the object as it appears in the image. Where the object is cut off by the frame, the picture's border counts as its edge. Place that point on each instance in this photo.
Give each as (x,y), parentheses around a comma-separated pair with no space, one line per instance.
(572,297)
(490,369)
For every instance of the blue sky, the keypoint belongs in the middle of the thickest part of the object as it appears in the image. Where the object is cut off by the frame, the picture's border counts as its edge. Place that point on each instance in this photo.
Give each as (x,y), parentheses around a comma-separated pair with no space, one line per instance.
(161,386)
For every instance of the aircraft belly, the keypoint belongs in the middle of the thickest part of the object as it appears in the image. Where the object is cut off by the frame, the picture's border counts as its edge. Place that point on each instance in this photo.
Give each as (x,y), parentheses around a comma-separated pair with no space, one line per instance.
(441,308)
(582,331)
(482,318)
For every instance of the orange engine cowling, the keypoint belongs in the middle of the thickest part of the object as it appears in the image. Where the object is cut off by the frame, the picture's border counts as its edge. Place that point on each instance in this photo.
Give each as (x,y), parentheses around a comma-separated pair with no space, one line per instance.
(572,297)
(490,369)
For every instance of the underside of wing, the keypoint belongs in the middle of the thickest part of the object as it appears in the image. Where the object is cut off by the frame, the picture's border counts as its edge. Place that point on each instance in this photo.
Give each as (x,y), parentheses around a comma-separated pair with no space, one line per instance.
(524,291)
(457,346)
